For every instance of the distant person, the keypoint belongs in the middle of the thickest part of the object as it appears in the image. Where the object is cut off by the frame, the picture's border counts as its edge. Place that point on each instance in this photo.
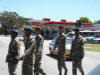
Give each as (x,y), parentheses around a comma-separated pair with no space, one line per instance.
(61,55)
(29,54)
(13,53)
(39,51)
(77,52)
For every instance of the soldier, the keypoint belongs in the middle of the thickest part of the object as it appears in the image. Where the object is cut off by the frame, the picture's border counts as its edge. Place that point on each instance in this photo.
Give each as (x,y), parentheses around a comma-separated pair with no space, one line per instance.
(29,56)
(39,50)
(61,43)
(77,53)
(13,53)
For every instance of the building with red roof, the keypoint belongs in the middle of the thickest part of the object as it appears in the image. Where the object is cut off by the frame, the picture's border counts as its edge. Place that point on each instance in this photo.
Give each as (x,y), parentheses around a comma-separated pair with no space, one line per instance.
(47,24)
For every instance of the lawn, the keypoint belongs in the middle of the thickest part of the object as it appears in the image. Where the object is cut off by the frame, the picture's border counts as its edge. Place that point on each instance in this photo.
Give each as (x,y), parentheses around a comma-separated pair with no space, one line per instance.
(92,47)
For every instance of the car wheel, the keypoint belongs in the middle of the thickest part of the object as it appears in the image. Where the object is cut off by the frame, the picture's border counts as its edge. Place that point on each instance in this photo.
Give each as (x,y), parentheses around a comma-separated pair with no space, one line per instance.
(50,51)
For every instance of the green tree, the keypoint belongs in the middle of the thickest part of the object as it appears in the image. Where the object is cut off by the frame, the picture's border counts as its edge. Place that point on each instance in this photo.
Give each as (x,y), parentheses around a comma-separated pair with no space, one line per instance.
(85,20)
(11,20)
(98,21)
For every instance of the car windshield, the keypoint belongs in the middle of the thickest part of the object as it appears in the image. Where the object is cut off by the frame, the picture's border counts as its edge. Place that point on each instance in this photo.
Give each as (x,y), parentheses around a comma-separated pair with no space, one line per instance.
(69,41)
(98,36)
(68,44)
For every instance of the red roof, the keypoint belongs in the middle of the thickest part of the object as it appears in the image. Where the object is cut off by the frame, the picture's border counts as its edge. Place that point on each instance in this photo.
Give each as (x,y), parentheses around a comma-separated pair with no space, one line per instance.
(67,23)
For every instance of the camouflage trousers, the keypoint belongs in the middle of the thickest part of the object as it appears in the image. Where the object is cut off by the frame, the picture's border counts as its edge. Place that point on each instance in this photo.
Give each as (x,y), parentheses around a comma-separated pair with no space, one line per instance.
(37,65)
(27,69)
(12,68)
(37,61)
(77,64)
(61,62)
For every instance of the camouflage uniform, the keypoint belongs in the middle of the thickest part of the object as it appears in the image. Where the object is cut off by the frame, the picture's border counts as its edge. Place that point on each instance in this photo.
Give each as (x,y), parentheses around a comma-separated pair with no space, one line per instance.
(39,50)
(28,57)
(13,53)
(61,44)
(77,53)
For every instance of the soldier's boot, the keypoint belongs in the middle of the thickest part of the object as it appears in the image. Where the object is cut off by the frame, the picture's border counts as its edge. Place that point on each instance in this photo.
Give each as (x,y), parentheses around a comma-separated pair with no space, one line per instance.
(42,72)
(36,73)
(66,72)
(60,72)
(74,72)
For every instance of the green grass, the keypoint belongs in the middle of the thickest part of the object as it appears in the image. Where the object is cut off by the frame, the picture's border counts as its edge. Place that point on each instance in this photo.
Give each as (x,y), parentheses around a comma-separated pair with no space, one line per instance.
(92,47)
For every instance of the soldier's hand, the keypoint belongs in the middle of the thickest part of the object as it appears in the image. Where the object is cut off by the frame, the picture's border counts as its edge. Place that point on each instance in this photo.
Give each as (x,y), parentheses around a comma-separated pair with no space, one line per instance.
(19,58)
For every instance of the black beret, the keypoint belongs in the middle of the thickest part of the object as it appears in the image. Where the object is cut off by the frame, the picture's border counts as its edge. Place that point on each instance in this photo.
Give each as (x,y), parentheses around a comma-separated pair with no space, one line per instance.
(61,27)
(37,28)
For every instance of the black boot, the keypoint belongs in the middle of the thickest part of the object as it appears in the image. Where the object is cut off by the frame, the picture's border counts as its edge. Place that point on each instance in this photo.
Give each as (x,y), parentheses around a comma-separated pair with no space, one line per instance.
(65,72)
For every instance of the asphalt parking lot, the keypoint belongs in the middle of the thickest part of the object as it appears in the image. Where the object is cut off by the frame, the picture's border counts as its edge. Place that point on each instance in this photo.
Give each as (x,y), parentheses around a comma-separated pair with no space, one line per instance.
(91,62)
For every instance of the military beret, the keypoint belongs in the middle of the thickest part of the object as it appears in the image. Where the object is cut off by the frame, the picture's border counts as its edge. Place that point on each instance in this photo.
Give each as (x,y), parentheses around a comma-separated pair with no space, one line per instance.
(14,31)
(61,27)
(28,28)
(37,28)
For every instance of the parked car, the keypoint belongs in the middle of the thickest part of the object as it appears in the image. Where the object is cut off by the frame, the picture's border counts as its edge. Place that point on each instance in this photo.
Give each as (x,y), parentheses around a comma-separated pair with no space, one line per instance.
(20,37)
(88,39)
(96,39)
(68,47)
(52,35)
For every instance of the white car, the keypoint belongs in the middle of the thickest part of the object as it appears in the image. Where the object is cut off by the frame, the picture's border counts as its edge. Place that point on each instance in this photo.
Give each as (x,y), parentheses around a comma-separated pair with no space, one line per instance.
(68,47)
(96,39)
(20,37)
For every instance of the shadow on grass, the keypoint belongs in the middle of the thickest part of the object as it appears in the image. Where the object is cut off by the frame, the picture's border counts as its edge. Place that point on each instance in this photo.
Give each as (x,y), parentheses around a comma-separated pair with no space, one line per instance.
(55,57)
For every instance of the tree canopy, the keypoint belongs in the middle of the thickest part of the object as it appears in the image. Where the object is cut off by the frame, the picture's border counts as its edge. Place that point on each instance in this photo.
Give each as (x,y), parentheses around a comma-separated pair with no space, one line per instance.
(85,20)
(11,20)
(98,21)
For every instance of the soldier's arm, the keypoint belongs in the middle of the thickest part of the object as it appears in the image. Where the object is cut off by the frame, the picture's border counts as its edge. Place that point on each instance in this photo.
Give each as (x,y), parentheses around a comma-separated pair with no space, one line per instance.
(72,48)
(82,43)
(56,43)
(38,46)
(29,50)
(64,40)
(17,49)
(8,54)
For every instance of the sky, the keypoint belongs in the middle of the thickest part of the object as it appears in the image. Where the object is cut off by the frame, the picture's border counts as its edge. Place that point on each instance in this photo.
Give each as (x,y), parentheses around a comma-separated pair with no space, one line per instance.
(71,10)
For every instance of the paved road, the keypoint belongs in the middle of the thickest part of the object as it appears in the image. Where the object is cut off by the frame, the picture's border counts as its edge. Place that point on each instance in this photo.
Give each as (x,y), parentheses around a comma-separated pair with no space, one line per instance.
(91,62)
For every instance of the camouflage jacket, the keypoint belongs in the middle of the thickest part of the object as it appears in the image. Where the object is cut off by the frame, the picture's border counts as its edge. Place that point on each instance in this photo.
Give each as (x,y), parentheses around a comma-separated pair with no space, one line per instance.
(61,44)
(13,51)
(29,53)
(77,49)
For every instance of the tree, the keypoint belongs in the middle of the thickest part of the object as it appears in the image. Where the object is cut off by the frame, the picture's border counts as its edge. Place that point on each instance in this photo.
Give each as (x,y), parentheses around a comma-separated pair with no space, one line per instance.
(98,21)
(85,20)
(11,20)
